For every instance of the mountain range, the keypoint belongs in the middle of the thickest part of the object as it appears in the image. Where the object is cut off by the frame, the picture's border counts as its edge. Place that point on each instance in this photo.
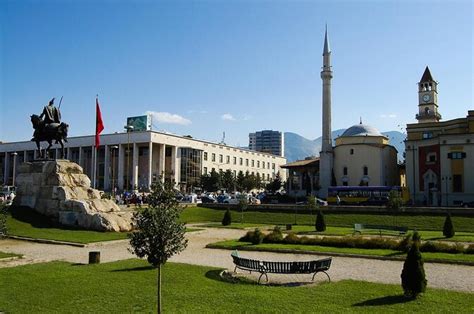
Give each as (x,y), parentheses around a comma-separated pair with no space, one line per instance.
(298,147)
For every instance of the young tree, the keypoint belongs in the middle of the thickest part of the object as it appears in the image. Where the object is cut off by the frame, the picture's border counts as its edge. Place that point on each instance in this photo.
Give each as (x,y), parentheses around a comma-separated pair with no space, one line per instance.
(228,181)
(448,228)
(394,201)
(413,273)
(227,220)
(158,234)
(240,181)
(243,203)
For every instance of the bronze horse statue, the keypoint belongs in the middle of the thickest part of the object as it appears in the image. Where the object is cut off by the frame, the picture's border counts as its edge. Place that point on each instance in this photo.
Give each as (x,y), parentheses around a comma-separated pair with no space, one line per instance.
(49,133)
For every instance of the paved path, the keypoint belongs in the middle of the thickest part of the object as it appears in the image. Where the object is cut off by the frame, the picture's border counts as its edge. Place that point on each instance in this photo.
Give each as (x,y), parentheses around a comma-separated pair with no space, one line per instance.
(452,277)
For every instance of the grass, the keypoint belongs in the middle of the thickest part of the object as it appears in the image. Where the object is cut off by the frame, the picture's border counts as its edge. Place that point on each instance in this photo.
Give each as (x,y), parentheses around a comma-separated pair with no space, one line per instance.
(422,222)
(298,248)
(237,225)
(130,286)
(33,225)
(5,255)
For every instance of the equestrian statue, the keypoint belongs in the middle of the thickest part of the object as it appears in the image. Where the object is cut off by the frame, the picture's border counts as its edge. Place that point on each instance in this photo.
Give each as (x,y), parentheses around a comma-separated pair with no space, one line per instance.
(48,127)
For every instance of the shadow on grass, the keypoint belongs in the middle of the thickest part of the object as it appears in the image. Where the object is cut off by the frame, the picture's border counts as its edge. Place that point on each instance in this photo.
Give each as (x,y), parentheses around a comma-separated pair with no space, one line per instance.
(215,274)
(36,220)
(138,268)
(388,300)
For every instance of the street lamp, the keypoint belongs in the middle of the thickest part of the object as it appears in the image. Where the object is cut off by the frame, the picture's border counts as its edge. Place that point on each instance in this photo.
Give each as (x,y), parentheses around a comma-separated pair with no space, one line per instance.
(14,167)
(446,179)
(129,129)
(114,149)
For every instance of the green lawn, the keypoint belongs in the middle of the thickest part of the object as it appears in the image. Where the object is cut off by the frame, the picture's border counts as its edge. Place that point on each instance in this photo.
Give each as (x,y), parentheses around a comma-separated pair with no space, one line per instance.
(434,223)
(5,255)
(130,286)
(273,247)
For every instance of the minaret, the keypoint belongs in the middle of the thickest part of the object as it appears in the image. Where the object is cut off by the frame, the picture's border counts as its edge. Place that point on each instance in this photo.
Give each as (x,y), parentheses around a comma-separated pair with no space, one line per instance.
(326,154)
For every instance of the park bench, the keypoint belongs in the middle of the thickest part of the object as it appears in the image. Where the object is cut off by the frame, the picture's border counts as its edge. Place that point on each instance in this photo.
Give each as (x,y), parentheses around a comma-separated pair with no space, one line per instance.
(359,227)
(264,267)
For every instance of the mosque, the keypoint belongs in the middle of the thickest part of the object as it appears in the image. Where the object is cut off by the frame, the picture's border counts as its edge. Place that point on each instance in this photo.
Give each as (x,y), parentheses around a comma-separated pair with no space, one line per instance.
(362,155)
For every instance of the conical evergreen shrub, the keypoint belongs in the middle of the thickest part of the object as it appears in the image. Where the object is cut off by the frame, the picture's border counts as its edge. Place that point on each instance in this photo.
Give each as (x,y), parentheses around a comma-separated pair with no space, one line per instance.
(448,228)
(320,223)
(413,273)
(227,220)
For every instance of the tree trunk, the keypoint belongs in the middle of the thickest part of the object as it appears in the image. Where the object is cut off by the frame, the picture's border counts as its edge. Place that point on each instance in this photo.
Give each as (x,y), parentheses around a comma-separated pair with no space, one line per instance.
(159,290)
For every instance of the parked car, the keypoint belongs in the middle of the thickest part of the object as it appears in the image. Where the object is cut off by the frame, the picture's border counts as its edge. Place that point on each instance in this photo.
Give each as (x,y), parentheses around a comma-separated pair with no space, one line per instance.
(231,200)
(321,202)
(208,199)
(468,204)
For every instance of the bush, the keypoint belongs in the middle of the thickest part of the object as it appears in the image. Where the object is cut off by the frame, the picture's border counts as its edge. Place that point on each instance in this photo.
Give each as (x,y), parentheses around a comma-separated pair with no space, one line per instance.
(291,238)
(404,245)
(227,220)
(255,237)
(469,249)
(320,224)
(413,273)
(448,228)
(3,221)
(276,236)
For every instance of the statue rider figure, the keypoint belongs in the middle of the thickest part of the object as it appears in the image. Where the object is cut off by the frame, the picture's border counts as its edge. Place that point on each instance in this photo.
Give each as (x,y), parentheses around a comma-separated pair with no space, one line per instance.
(50,115)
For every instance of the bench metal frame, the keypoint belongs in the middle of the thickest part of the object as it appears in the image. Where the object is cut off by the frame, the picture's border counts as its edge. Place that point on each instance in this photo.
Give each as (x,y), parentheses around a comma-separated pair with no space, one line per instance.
(265,267)
(359,227)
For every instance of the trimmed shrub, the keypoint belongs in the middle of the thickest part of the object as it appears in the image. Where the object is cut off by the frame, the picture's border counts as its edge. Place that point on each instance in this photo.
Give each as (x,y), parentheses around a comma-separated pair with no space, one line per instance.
(255,237)
(413,273)
(3,221)
(276,236)
(404,245)
(320,223)
(448,228)
(469,249)
(227,220)
(291,238)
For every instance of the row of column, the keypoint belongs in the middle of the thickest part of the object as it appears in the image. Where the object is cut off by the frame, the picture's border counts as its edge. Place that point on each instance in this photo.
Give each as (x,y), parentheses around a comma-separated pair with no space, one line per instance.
(109,170)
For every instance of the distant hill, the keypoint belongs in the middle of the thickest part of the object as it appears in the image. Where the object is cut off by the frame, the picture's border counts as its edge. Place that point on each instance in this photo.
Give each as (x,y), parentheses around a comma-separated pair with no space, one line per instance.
(298,147)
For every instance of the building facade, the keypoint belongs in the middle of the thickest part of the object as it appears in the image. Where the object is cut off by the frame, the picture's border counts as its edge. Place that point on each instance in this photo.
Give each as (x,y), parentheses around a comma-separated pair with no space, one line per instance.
(137,159)
(303,177)
(268,141)
(439,154)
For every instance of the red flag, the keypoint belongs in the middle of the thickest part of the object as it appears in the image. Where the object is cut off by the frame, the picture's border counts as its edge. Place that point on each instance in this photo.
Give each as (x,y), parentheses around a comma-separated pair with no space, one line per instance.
(99,125)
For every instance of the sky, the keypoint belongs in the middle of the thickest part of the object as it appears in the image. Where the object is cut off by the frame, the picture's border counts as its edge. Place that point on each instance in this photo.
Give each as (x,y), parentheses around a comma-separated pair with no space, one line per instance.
(206,67)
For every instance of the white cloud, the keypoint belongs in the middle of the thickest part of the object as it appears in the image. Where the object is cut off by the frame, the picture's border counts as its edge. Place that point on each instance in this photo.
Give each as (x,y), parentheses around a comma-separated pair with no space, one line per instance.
(247,117)
(227,117)
(391,116)
(166,117)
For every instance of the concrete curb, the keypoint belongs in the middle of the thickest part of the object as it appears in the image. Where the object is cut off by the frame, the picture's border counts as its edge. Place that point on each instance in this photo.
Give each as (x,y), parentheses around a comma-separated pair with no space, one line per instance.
(383,258)
(45,241)
(11,258)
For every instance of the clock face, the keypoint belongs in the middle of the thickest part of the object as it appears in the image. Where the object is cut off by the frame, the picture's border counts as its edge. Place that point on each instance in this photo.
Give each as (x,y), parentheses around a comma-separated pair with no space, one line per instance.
(426,98)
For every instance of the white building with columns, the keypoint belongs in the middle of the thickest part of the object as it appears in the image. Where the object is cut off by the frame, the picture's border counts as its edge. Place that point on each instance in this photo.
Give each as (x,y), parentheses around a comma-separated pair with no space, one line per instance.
(137,159)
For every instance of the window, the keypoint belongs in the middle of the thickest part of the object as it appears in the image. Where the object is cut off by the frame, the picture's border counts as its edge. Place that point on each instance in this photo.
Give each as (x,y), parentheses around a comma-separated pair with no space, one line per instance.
(366,171)
(344,171)
(258,163)
(221,158)
(241,161)
(263,165)
(205,170)
(213,169)
(268,165)
(345,183)
(456,155)
(457,183)
(352,151)
(213,157)
(247,162)
(273,166)
(205,155)
(253,163)
(235,160)
(427,135)
(431,157)
(227,159)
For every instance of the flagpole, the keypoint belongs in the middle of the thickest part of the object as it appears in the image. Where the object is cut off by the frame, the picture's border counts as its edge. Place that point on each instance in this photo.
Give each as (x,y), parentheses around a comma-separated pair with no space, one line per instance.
(95,147)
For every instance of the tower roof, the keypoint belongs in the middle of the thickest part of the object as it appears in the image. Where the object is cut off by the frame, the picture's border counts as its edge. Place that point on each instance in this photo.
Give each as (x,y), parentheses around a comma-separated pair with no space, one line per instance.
(427,76)
(326,49)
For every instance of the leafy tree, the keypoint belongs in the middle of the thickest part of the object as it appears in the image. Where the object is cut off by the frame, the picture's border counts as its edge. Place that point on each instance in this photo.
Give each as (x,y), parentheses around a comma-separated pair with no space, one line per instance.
(3,221)
(448,228)
(258,181)
(227,220)
(320,223)
(413,273)
(249,182)
(240,181)
(228,180)
(210,182)
(275,184)
(158,234)
(395,201)
(311,204)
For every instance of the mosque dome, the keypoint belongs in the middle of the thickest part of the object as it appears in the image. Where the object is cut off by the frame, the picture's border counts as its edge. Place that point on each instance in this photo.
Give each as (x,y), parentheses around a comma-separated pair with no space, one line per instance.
(362,130)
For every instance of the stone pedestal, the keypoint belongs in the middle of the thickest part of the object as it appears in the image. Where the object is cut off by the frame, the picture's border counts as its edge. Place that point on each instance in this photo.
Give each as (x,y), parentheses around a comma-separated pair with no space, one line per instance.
(60,189)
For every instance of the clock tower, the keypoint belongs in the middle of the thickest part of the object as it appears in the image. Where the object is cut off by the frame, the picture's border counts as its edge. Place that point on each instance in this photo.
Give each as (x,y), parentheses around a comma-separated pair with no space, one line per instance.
(428,99)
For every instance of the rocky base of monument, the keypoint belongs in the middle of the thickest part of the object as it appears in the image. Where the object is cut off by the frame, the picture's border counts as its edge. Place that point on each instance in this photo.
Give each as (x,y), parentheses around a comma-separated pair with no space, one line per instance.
(60,189)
